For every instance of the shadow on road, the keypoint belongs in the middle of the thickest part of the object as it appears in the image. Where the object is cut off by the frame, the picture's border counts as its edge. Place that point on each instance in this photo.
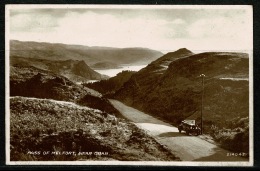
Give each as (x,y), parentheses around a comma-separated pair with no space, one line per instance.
(172,134)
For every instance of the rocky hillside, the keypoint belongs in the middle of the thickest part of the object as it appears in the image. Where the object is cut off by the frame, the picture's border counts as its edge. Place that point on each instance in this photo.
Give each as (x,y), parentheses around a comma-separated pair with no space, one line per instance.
(33,82)
(72,132)
(91,55)
(74,70)
(48,112)
(171,88)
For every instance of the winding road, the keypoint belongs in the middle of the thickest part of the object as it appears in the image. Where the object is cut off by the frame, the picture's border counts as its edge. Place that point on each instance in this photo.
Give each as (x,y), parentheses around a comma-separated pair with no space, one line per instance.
(187,148)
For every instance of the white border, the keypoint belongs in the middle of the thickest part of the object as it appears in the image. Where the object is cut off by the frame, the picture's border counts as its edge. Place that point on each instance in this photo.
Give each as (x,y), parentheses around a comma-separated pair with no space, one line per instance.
(108,6)
(134,163)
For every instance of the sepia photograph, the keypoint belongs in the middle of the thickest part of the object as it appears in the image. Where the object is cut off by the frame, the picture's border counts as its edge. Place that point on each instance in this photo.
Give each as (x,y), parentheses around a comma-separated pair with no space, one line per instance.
(155,85)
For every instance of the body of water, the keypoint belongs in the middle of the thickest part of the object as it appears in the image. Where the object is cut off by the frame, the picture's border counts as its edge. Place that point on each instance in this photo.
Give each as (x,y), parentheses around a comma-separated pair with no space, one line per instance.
(114,72)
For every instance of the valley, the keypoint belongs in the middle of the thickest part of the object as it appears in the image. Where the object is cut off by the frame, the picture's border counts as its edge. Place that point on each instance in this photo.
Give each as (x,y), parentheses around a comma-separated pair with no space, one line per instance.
(132,110)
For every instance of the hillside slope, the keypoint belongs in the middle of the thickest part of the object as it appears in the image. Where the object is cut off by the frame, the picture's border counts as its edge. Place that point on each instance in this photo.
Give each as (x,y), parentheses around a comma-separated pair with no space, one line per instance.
(91,55)
(74,70)
(144,81)
(72,132)
(111,85)
(33,82)
(146,75)
(174,92)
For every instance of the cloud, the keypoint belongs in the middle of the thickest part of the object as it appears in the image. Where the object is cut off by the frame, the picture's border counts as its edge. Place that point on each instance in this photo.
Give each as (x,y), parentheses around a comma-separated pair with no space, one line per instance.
(32,22)
(93,29)
(150,30)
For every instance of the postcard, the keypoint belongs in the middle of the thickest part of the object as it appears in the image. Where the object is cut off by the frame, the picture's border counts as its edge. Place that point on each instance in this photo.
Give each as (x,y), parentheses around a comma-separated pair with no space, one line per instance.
(153,85)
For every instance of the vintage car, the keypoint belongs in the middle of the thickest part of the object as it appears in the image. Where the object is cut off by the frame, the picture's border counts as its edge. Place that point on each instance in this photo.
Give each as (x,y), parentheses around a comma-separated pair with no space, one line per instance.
(189,127)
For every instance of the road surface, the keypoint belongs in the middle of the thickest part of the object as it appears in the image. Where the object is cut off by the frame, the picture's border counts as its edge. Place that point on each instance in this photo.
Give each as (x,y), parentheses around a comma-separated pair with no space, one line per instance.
(187,148)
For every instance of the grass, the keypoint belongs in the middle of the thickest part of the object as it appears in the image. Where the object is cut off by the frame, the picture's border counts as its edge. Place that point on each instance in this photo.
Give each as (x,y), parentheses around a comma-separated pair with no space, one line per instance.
(40,125)
(234,138)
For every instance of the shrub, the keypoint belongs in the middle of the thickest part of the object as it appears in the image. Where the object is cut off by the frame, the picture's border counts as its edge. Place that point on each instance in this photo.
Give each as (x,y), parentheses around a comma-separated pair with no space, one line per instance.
(235,139)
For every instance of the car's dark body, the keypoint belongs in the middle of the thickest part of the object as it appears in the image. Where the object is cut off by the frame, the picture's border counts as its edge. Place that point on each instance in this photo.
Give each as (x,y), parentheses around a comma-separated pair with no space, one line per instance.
(189,127)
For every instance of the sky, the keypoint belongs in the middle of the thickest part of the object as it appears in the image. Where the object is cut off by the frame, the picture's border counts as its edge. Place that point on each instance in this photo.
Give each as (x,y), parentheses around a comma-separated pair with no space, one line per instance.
(164,28)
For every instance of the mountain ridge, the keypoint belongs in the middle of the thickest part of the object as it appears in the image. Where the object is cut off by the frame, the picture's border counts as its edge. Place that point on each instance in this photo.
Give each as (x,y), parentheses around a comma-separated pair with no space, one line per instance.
(75,70)
(91,55)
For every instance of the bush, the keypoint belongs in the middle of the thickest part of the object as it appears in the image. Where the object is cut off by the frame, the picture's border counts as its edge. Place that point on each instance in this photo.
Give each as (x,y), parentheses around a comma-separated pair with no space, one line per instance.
(235,139)
(34,128)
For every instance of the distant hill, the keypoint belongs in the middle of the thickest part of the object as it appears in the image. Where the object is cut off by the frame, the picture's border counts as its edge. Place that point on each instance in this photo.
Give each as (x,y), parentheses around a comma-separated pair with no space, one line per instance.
(91,55)
(170,87)
(74,70)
